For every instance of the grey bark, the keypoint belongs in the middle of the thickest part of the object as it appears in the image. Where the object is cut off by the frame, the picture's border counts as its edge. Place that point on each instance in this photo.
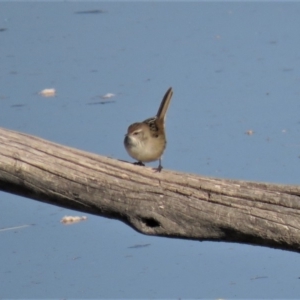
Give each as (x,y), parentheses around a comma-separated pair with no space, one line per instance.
(170,204)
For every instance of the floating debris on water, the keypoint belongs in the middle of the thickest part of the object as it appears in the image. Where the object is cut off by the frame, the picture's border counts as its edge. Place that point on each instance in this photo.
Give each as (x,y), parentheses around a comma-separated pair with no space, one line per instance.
(48,92)
(249,132)
(108,95)
(67,220)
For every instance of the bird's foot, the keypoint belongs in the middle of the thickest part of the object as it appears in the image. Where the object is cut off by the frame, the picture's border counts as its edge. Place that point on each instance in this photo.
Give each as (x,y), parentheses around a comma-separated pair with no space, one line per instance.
(158,169)
(139,163)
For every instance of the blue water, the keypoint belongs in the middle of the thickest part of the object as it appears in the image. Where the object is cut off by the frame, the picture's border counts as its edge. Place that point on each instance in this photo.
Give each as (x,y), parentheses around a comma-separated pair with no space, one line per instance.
(234,66)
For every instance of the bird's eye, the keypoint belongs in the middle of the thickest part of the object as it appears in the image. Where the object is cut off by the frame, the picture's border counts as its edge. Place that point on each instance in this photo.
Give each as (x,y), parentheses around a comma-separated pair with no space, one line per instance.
(135,133)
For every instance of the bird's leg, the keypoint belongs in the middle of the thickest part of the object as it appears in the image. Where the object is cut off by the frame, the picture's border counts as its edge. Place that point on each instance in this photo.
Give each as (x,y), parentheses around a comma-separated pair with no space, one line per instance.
(160,167)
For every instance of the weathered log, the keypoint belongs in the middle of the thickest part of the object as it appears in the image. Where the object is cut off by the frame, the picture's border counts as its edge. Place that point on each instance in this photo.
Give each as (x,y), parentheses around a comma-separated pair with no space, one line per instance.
(169,204)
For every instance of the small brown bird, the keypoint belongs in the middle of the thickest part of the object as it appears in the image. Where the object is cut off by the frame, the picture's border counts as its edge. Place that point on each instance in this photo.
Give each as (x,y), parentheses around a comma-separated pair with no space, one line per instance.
(146,141)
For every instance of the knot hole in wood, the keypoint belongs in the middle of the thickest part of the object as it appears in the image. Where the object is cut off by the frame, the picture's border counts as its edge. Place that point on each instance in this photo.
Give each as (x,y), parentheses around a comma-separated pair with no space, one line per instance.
(150,222)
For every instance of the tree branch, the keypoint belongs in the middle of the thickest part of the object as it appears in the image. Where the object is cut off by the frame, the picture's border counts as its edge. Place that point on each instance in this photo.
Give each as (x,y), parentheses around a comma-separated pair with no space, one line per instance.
(169,204)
